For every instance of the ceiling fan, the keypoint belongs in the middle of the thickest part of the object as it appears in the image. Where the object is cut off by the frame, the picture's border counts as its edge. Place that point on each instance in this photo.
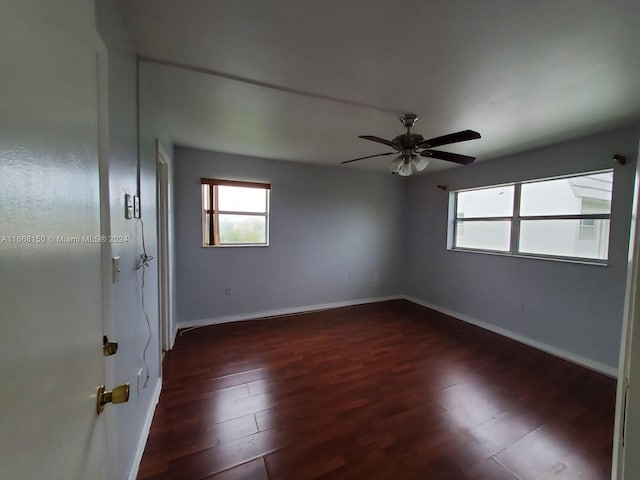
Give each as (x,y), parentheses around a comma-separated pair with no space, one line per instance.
(415,152)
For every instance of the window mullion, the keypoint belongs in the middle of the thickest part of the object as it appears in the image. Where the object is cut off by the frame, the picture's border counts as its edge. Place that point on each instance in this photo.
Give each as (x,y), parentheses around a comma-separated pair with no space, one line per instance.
(515,222)
(214,224)
(455,219)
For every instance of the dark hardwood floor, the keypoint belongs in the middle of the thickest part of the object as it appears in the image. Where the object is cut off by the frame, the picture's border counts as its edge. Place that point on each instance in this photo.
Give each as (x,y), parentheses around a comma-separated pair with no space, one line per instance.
(381,391)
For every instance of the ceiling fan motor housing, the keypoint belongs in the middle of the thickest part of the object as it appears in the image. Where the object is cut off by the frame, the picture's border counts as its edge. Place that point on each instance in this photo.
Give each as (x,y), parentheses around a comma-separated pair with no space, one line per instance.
(408,141)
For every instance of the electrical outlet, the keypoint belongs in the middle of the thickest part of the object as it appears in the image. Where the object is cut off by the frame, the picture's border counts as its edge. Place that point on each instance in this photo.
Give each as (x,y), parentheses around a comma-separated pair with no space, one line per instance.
(350,276)
(227,290)
(375,278)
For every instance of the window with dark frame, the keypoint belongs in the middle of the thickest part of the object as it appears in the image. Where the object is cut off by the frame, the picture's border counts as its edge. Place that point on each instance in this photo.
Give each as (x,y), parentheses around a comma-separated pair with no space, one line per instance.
(557,218)
(234,213)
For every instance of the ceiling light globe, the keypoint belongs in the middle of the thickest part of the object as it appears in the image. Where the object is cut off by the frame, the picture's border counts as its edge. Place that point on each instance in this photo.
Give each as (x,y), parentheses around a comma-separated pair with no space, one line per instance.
(395,164)
(419,163)
(405,169)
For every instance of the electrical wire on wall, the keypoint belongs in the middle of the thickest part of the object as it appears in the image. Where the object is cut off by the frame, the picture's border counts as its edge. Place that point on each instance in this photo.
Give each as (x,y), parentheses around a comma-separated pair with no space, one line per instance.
(144,264)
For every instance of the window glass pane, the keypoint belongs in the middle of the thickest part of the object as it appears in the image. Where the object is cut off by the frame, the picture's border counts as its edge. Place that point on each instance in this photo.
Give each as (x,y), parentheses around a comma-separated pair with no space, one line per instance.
(587,229)
(487,202)
(205,197)
(206,225)
(568,196)
(485,235)
(566,238)
(242,229)
(242,199)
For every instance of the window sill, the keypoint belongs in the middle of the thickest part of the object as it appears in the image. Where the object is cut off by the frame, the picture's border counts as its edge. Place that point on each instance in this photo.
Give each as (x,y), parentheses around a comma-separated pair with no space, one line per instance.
(242,245)
(581,261)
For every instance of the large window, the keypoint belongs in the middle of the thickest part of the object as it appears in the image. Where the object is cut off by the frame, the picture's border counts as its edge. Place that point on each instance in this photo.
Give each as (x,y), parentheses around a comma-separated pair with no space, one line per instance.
(234,213)
(565,218)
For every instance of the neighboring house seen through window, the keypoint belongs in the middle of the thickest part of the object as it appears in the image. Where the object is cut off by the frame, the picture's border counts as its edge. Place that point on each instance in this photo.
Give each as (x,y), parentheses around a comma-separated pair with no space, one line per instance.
(234,213)
(565,218)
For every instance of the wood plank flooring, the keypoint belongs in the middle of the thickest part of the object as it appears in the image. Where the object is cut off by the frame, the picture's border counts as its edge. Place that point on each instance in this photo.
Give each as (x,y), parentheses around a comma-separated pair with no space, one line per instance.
(381,391)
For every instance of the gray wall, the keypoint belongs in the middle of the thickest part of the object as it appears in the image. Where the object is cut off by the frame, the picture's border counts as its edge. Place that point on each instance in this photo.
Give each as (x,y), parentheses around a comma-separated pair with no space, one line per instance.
(326,222)
(127,325)
(574,307)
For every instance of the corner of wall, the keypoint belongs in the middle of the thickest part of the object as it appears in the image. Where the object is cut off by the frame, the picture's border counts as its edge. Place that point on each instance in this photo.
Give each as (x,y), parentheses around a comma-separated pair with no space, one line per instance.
(144,433)
(561,298)
(599,367)
(130,424)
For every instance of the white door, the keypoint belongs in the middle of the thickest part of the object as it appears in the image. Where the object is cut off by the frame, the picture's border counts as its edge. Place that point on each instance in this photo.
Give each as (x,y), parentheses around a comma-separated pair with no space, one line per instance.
(626,461)
(50,272)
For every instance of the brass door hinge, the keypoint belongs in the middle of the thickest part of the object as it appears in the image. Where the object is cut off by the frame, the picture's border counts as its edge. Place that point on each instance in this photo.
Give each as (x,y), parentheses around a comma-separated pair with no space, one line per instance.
(109,348)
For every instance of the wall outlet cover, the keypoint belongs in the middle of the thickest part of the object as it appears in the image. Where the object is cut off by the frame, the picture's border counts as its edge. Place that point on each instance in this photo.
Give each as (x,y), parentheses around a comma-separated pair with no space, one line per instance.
(136,206)
(128,206)
(115,264)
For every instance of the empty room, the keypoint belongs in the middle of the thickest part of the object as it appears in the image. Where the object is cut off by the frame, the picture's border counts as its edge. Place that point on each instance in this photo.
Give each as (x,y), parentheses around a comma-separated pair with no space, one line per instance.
(318,240)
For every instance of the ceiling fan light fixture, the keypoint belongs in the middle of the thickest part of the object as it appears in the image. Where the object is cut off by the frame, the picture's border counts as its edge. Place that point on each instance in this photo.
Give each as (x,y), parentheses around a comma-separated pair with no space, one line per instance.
(406,164)
(413,146)
(419,163)
(405,169)
(396,163)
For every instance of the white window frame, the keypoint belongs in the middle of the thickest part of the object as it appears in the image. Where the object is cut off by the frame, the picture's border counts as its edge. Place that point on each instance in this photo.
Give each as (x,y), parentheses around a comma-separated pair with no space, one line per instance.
(516,219)
(213,212)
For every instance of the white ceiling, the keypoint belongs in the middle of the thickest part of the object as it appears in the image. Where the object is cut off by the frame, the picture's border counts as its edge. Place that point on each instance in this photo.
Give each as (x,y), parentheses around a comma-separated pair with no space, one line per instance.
(522,73)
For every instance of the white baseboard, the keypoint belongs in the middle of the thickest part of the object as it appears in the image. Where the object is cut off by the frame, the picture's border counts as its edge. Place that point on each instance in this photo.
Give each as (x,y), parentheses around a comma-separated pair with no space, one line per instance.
(142,442)
(550,349)
(283,311)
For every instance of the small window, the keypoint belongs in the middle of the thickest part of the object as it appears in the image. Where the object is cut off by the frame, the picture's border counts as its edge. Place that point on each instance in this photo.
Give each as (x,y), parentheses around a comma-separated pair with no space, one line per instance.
(566,218)
(234,213)
(483,218)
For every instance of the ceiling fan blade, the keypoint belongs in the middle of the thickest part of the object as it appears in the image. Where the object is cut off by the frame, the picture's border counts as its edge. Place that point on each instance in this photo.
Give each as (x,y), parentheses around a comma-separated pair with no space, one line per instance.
(373,138)
(461,136)
(368,156)
(448,156)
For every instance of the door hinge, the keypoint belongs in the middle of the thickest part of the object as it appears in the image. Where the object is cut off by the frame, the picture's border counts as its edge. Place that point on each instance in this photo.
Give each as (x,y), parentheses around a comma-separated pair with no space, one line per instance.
(108,348)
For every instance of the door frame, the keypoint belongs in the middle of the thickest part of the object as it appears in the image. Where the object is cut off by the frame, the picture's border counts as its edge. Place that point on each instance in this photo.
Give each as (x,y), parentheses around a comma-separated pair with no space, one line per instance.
(102,78)
(164,251)
(631,319)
